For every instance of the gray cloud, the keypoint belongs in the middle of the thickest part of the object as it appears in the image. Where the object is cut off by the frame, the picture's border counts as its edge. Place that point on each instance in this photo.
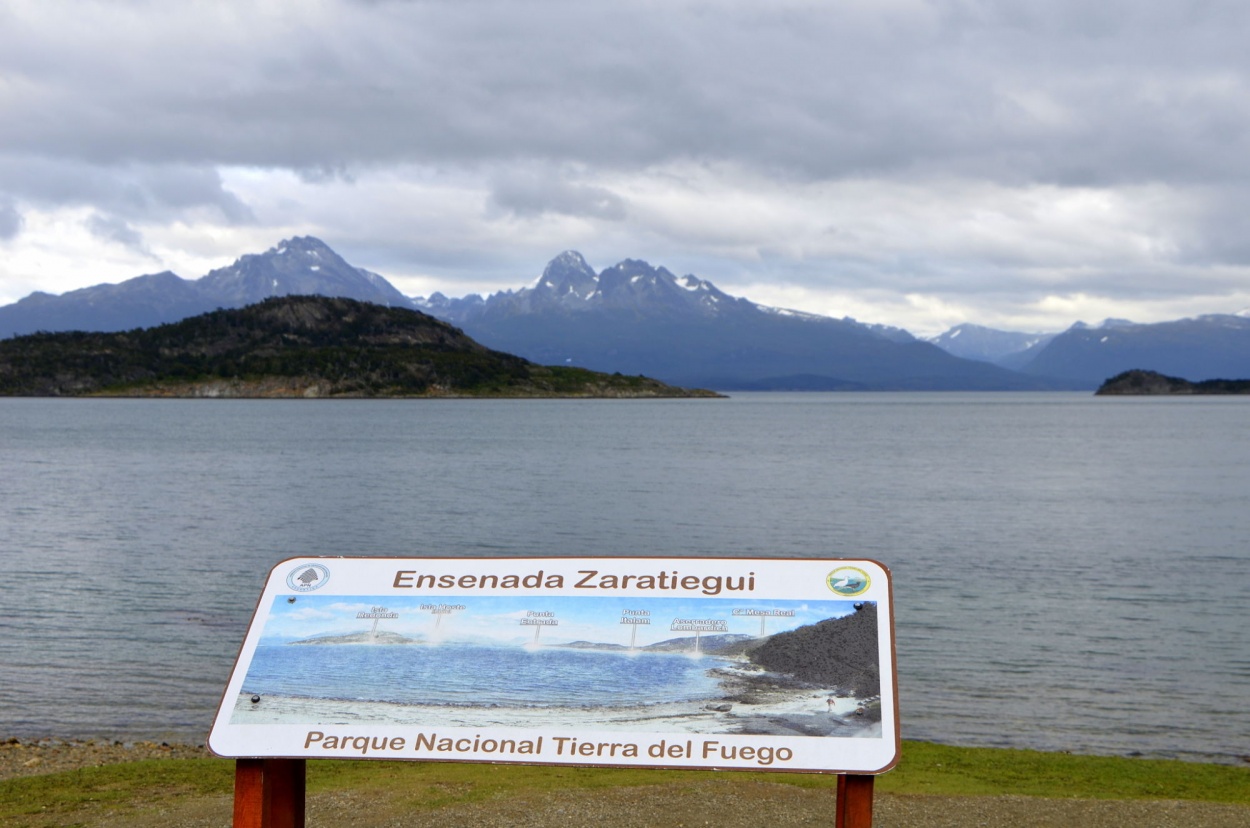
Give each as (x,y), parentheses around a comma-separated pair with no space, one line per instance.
(1070,94)
(114,229)
(1023,149)
(136,191)
(529,193)
(10,218)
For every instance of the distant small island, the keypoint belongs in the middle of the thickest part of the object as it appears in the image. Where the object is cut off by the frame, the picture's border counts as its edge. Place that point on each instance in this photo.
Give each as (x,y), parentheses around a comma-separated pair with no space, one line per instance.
(296,347)
(370,637)
(1146,383)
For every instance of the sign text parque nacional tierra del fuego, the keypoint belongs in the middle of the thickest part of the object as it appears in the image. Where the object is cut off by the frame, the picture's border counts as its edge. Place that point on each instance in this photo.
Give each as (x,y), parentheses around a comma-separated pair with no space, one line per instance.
(729,663)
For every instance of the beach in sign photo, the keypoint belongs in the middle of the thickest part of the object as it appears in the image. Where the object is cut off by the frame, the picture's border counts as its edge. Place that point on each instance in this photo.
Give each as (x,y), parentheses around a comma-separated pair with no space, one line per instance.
(701,666)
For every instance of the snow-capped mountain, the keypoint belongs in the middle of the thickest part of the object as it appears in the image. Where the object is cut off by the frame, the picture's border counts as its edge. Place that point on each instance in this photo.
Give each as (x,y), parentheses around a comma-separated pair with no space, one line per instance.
(1214,346)
(1007,348)
(634,318)
(569,284)
(298,266)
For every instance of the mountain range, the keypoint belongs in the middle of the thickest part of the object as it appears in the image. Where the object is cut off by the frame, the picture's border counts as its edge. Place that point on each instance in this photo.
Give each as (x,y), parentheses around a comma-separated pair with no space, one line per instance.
(639,319)
(300,266)
(633,318)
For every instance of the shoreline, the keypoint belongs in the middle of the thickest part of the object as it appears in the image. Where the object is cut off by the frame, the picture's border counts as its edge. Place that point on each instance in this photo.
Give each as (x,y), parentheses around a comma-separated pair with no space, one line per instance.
(805,712)
(35,757)
(748,701)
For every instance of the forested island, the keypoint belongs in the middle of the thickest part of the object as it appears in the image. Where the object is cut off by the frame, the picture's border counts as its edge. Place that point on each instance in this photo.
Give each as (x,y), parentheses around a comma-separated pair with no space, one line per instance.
(1144,383)
(296,346)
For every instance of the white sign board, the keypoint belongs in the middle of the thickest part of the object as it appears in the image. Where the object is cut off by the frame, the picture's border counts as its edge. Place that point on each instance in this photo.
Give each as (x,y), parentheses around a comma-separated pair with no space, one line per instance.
(728,663)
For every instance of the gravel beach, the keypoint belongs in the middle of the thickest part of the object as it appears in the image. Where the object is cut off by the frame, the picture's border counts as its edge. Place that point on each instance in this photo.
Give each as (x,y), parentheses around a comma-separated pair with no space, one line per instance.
(34,757)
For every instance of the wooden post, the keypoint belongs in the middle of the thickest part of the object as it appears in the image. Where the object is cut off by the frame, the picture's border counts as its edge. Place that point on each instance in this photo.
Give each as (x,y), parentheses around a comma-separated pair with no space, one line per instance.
(854,806)
(269,793)
(249,793)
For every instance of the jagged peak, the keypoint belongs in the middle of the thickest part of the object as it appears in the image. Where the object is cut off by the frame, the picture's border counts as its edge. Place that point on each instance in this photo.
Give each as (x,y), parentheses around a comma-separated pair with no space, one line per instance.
(633,272)
(1103,325)
(567,273)
(298,244)
(569,258)
(633,266)
(694,284)
(570,261)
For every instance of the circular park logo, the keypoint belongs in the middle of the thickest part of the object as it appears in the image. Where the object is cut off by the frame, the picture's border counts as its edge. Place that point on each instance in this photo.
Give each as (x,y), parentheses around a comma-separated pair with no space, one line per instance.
(307,577)
(848,581)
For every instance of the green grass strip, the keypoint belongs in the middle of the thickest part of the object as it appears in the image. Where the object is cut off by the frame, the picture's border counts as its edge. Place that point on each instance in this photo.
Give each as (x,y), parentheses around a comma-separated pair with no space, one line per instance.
(112,786)
(925,769)
(953,771)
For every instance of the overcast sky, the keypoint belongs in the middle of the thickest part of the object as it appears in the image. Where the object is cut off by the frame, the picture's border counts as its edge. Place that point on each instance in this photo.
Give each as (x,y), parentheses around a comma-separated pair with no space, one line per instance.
(1017,164)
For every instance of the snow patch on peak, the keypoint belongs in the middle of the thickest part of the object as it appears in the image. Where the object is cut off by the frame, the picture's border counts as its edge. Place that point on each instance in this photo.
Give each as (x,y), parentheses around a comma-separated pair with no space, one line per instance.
(304,245)
(794,314)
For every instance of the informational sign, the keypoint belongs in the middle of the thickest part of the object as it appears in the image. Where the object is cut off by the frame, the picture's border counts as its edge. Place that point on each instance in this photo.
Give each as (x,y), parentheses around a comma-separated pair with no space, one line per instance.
(727,663)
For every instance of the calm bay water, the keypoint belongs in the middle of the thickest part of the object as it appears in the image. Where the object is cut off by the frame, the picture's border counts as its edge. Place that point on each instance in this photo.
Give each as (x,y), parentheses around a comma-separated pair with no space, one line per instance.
(500,675)
(1070,572)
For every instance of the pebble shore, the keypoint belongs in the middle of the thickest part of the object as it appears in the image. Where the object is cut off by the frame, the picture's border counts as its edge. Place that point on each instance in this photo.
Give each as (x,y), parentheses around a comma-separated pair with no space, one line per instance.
(31,757)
